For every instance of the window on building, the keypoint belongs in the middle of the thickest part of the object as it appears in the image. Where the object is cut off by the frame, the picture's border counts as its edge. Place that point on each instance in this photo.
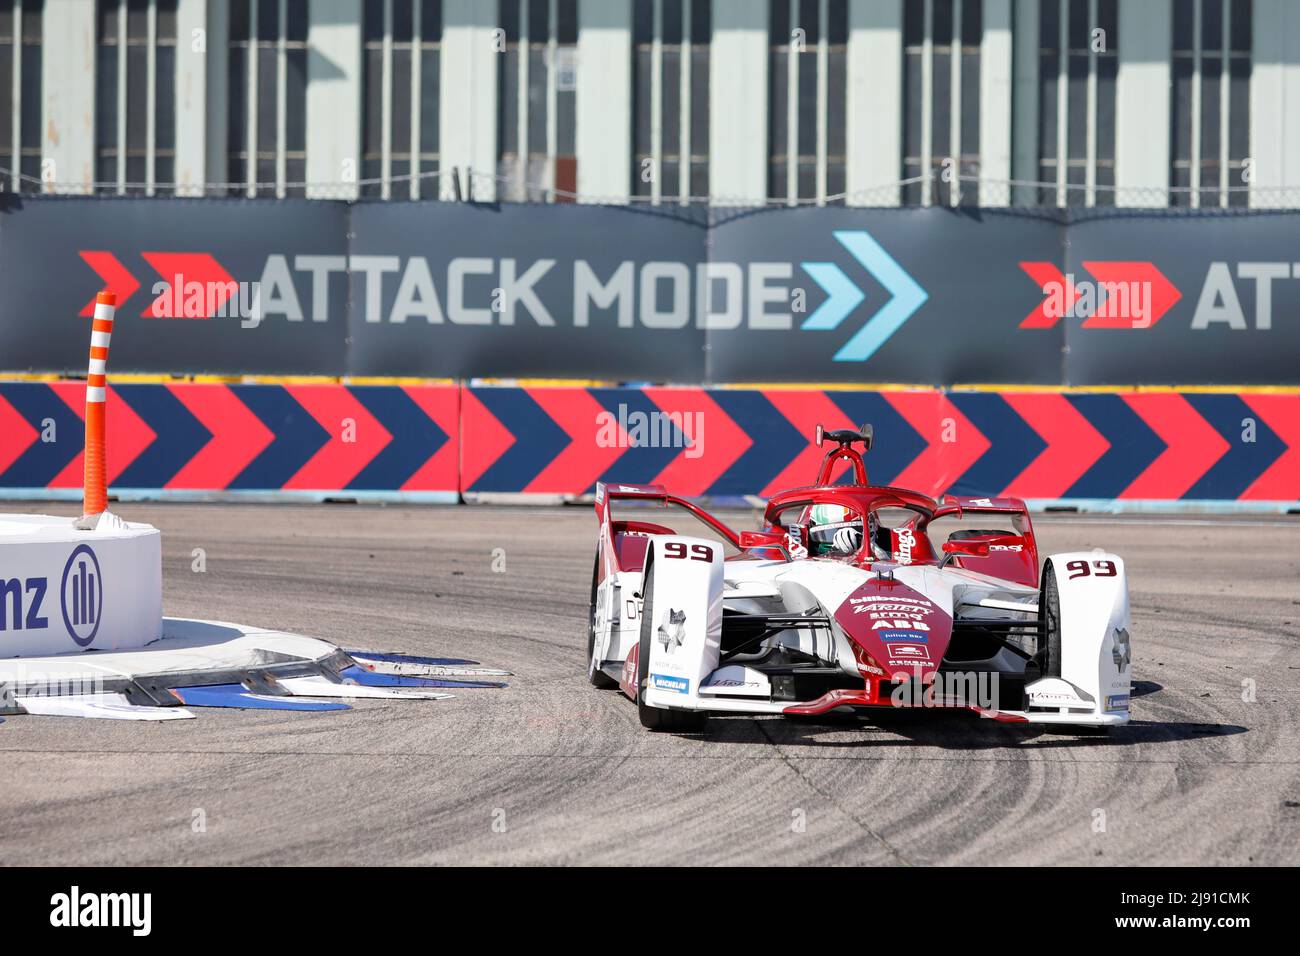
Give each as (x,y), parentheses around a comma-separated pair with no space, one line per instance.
(403,45)
(536,108)
(670,89)
(1078,62)
(807,79)
(1210,108)
(20,94)
(941,101)
(135,102)
(267,107)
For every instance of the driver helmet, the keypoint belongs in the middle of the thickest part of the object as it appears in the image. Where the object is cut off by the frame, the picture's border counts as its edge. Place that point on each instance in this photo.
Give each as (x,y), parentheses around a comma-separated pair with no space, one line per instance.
(833,529)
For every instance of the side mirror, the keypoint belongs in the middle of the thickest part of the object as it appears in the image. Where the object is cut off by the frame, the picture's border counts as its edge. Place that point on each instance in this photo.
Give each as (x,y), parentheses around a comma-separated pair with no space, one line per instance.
(761,539)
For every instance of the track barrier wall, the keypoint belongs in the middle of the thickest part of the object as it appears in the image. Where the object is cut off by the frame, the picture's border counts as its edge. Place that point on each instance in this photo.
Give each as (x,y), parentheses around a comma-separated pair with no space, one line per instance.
(1104,449)
(684,295)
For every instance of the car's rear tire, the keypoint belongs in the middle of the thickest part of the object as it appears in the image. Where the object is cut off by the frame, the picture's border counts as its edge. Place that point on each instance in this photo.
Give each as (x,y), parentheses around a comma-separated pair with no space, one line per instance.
(656,718)
(1049,625)
(596,676)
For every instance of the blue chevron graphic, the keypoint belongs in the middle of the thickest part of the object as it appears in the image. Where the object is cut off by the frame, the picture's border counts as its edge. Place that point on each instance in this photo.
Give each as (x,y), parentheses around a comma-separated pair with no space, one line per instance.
(1243,462)
(843,296)
(537,439)
(1013,444)
(636,465)
(38,466)
(776,442)
(179,436)
(896,443)
(1133,446)
(415,437)
(298,436)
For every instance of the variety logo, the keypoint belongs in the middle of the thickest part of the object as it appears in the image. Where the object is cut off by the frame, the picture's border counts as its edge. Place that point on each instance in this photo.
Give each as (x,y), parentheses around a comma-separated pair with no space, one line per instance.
(82,595)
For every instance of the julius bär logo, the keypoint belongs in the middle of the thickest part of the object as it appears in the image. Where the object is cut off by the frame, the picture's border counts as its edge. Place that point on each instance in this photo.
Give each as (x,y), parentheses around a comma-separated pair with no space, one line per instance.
(82,594)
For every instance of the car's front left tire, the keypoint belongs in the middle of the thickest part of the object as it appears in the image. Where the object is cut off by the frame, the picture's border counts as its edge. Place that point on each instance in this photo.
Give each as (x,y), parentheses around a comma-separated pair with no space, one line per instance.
(658,718)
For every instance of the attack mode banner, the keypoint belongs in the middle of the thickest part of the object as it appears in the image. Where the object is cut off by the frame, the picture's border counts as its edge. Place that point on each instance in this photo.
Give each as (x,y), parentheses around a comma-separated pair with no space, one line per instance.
(1182,298)
(203,285)
(674,295)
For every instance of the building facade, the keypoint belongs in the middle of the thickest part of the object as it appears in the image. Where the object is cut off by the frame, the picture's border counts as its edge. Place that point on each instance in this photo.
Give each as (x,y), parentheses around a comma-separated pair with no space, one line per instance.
(860,102)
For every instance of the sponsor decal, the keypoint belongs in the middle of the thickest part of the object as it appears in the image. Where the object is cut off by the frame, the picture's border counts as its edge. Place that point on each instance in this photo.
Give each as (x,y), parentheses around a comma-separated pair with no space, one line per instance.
(906,542)
(678,685)
(727,682)
(912,651)
(1117,702)
(1121,650)
(672,632)
(82,595)
(910,637)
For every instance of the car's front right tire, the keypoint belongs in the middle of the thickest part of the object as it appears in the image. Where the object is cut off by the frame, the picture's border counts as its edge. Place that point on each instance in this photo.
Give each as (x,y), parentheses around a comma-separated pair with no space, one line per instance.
(595,676)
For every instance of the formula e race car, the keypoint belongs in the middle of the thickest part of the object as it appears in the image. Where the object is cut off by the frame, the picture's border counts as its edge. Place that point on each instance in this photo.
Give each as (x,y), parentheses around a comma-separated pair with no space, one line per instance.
(852,596)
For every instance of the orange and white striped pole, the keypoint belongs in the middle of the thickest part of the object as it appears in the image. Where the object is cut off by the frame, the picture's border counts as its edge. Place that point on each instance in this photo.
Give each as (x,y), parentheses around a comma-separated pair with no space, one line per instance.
(96,479)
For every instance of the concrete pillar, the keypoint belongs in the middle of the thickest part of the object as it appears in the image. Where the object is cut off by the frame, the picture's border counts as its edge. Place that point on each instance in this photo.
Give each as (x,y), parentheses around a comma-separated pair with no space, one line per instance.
(334,81)
(1142,103)
(467,126)
(1024,102)
(1275,105)
(996,81)
(738,59)
(68,96)
(196,44)
(604,99)
(874,102)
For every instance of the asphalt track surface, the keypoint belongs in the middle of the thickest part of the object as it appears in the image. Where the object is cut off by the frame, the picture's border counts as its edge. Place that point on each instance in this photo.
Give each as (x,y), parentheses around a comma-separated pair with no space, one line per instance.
(552,770)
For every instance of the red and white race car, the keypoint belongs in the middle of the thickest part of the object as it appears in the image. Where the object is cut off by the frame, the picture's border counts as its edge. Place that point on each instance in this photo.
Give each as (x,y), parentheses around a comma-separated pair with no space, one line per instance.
(852,595)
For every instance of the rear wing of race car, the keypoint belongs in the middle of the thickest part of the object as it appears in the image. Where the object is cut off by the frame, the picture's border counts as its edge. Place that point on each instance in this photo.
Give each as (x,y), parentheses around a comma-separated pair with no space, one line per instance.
(1001,557)
(613,529)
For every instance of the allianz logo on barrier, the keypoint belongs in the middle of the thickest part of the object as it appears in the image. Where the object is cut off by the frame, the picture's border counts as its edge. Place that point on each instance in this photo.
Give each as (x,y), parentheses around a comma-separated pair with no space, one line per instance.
(715,295)
(81,598)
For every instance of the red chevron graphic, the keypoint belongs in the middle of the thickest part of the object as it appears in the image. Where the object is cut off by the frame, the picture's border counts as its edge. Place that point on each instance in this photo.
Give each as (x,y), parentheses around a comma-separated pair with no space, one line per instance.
(485,439)
(19,435)
(721,441)
(935,418)
(1281,480)
(355,437)
(442,404)
(1110,315)
(188,268)
(582,461)
(1115,311)
(114,276)
(805,410)
(1194,445)
(1045,274)
(128,435)
(1073,445)
(238,436)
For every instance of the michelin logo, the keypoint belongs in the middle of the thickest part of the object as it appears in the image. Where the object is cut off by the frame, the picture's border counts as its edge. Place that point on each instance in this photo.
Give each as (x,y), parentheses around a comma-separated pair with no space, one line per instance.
(678,685)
